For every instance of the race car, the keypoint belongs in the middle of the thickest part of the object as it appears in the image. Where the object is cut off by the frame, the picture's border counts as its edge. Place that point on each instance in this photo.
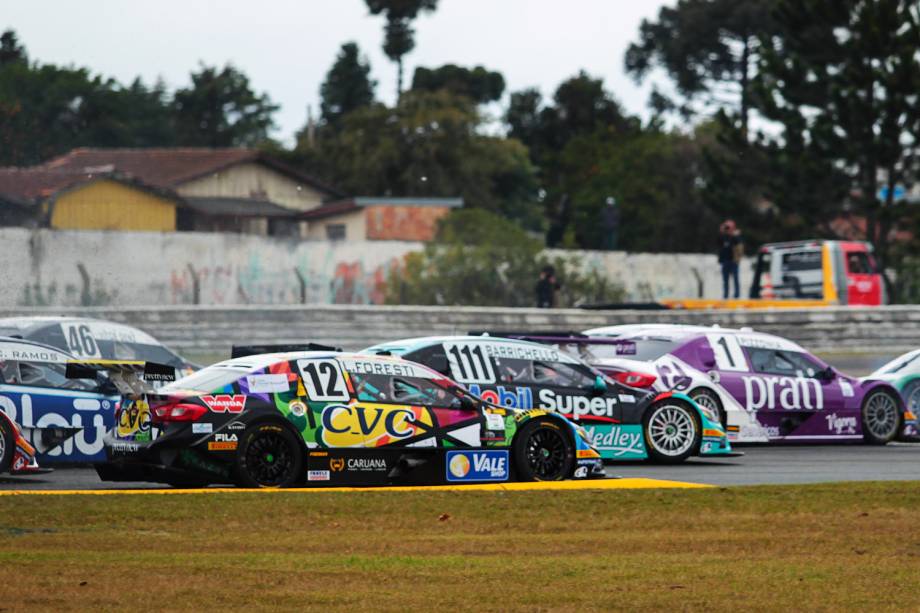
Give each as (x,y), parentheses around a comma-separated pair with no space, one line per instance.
(622,421)
(764,387)
(903,373)
(88,339)
(331,418)
(62,419)
(17,456)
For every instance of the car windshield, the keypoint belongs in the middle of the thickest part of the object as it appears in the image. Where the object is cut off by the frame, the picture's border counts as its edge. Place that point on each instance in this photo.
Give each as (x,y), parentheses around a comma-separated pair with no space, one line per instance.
(643,349)
(903,365)
(209,379)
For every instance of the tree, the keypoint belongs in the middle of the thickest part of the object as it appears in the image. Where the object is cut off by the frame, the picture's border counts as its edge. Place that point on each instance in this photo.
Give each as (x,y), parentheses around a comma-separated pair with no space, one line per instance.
(429,144)
(477,84)
(10,49)
(580,107)
(709,48)
(348,85)
(220,109)
(841,78)
(480,258)
(398,35)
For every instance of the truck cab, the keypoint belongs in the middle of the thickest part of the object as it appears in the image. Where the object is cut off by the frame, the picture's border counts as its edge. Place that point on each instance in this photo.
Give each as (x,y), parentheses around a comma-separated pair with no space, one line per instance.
(834,272)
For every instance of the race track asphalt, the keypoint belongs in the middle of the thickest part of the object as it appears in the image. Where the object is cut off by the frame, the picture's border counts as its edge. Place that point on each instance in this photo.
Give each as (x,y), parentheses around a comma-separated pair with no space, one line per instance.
(759,466)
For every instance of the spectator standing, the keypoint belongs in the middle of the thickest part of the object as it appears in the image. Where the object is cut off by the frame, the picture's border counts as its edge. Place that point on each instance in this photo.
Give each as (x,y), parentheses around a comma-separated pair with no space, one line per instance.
(546,289)
(731,250)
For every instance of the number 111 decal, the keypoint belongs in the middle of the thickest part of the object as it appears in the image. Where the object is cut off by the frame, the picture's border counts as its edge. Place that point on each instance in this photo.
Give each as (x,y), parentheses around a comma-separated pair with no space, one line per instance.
(469,363)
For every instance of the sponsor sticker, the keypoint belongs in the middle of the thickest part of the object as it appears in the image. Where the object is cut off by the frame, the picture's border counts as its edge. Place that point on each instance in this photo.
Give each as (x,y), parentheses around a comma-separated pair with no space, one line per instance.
(202,428)
(268,384)
(620,441)
(581,472)
(318,475)
(846,389)
(225,403)
(494,422)
(491,465)
(223,442)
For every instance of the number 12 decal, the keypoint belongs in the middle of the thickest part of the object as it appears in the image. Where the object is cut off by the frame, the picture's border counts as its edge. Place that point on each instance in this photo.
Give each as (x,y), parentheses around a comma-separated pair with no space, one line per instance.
(469,363)
(323,379)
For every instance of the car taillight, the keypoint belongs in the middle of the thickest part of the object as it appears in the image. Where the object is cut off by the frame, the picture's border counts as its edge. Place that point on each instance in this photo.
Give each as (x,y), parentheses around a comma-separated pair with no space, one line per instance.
(635,379)
(178,412)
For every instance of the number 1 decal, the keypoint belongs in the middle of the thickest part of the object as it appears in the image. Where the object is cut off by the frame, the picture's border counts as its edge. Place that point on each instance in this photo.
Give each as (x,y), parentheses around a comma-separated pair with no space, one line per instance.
(469,363)
(728,352)
(323,379)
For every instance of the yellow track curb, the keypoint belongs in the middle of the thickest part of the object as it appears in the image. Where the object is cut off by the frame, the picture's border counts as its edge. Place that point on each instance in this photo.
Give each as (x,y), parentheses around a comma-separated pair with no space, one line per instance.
(598,484)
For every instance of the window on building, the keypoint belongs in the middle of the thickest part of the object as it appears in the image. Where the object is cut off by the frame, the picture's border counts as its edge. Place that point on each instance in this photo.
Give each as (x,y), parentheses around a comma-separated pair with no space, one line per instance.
(335,231)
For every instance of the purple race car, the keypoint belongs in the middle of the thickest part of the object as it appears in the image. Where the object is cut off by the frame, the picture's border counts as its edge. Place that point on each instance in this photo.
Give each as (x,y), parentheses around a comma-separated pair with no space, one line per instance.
(765,388)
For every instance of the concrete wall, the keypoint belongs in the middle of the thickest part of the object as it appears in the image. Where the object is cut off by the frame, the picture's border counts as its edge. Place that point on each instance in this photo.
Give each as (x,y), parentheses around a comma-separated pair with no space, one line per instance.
(206,333)
(44,267)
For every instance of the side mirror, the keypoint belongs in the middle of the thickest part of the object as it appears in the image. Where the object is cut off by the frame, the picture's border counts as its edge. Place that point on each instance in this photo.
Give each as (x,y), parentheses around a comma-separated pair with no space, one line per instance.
(828,374)
(706,355)
(467,403)
(600,386)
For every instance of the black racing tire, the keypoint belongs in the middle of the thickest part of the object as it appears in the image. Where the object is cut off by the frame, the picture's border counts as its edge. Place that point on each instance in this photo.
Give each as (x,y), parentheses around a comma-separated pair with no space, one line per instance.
(7,446)
(672,431)
(881,417)
(705,397)
(269,456)
(543,451)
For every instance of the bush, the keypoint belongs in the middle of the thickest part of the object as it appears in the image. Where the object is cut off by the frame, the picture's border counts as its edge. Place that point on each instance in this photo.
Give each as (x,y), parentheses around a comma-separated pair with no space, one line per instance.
(479,258)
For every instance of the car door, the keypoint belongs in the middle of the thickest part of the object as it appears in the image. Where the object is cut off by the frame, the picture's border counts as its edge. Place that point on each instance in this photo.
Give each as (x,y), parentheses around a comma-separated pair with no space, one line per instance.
(864,284)
(40,397)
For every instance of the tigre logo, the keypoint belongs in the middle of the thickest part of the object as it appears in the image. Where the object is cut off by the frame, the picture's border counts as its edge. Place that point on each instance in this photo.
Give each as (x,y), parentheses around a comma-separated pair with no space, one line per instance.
(337,464)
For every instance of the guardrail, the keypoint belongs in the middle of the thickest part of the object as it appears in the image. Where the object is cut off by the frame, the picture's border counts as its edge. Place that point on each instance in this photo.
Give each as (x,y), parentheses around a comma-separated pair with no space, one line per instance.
(212,330)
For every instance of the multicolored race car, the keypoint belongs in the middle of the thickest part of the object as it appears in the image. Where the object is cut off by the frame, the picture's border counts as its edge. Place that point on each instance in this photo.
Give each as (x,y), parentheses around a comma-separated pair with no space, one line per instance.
(765,388)
(328,418)
(903,373)
(17,456)
(622,421)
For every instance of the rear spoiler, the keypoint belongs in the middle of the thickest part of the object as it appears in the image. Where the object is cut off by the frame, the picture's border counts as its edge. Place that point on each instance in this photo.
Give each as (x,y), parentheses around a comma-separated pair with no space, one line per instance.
(241,351)
(576,338)
(130,377)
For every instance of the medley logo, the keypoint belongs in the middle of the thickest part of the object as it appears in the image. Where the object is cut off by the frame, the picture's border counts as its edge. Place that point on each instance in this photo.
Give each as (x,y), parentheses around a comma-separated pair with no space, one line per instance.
(620,440)
(787,393)
(489,465)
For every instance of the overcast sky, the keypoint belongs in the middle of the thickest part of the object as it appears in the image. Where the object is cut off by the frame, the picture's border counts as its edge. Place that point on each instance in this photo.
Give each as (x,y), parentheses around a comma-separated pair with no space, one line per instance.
(286,46)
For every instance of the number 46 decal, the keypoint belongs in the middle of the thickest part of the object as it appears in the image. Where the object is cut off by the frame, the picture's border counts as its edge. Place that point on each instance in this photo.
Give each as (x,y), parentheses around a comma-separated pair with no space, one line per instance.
(323,379)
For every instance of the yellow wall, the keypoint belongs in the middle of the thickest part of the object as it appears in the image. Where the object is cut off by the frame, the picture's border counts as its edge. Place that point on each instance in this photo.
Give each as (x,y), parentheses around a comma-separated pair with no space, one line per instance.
(109,205)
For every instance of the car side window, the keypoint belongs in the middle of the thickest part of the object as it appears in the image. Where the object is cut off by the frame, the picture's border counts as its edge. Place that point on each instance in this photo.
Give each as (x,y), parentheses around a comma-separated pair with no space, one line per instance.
(788,363)
(411,390)
(559,374)
(43,374)
(9,372)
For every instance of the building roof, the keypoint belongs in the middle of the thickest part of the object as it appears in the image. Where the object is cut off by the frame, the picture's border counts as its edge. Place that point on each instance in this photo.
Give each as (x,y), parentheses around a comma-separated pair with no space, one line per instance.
(348,205)
(239,207)
(170,167)
(30,186)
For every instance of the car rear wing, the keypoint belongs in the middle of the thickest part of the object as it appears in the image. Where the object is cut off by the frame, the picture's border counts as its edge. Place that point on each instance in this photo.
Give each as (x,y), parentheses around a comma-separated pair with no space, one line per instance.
(572,338)
(241,351)
(130,377)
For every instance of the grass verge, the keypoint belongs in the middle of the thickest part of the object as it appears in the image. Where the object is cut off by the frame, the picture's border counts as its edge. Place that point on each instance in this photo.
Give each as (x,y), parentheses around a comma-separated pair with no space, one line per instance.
(824,547)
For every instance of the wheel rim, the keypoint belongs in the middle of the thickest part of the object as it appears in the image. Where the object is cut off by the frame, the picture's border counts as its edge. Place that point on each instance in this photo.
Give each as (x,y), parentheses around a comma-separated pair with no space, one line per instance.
(2,445)
(545,453)
(881,416)
(270,459)
(671,430)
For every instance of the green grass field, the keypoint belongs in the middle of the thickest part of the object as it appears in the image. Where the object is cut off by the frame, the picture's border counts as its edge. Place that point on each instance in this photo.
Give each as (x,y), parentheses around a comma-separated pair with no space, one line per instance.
(828,547)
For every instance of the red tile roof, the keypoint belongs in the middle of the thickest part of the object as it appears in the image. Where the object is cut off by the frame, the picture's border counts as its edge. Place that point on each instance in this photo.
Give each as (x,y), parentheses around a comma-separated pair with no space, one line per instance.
(173,166)
(32,185)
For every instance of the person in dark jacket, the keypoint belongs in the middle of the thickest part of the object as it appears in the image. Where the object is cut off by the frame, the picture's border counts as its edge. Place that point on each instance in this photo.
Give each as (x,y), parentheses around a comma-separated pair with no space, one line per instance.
(546,289)
(731,250)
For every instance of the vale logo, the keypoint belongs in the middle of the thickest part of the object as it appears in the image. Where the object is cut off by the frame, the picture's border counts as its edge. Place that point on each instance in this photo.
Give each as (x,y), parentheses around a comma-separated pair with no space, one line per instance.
(489,465)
